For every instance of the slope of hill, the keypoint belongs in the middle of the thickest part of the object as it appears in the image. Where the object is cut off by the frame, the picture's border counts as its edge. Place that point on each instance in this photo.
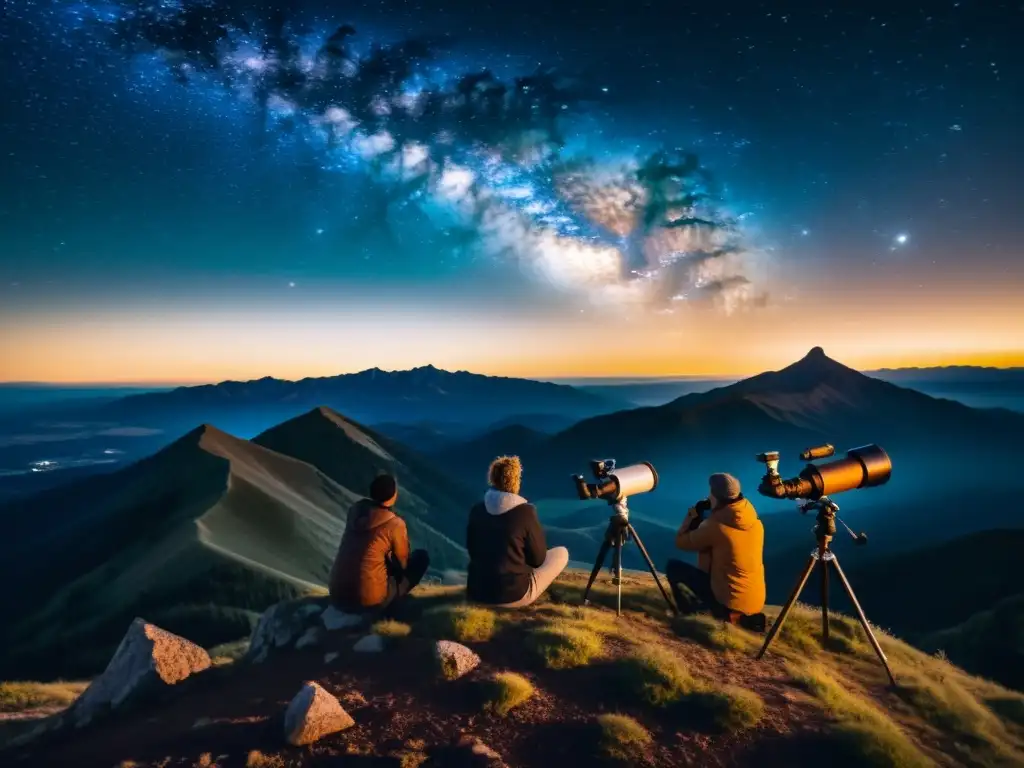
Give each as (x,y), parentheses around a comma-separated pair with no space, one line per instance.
(989,643)
(559,684)
(352,455)
(197,536)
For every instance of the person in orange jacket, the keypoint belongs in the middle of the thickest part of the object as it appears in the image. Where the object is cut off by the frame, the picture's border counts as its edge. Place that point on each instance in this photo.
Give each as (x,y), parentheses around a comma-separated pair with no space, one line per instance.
(374,567)
(728,579)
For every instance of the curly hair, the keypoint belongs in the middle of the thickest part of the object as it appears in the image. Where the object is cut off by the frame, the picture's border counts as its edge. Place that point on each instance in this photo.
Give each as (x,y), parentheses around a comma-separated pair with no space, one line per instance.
(505,474)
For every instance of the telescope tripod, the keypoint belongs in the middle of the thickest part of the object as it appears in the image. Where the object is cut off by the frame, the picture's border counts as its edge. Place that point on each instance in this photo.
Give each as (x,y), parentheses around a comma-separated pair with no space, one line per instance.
(823,555)
(618,532)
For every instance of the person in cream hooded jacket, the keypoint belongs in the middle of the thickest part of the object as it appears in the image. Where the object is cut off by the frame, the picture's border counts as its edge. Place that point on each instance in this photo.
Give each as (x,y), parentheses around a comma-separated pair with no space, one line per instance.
(509,562)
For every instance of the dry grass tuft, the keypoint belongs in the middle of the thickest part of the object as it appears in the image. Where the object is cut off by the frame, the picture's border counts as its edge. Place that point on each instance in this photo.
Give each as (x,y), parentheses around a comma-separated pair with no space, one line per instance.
(257,759)
(463,623)
(866,733)
(505,691)
(391,628)
(562,647)
(22,696)
(622,738)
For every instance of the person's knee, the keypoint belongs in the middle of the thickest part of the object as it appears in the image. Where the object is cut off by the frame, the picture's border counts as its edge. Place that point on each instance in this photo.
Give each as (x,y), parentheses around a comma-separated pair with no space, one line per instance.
(559,557)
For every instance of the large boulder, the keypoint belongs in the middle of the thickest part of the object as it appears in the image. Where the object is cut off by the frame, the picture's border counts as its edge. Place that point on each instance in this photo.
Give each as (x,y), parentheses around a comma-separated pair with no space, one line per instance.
(455,660)
(313,714)
(283,625)
(148,660)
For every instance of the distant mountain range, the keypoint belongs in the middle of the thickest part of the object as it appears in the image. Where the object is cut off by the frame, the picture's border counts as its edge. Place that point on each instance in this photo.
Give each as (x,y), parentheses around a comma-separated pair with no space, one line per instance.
(371,396)
(201,535)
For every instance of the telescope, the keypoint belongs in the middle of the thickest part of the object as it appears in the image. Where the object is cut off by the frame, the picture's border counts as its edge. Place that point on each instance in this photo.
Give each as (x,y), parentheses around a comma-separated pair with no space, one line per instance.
(615,485)
(864,467)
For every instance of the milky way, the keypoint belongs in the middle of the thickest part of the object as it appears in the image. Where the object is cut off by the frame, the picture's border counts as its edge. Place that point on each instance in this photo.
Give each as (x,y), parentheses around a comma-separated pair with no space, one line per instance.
(482,159)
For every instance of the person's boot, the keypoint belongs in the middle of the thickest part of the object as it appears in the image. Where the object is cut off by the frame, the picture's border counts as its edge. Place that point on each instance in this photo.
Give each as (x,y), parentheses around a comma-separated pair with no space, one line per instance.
(756,622)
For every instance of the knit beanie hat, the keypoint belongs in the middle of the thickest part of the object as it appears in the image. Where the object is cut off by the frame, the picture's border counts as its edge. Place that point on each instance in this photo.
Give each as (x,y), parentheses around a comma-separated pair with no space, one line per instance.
(724,487)
(383,488)
(505,474)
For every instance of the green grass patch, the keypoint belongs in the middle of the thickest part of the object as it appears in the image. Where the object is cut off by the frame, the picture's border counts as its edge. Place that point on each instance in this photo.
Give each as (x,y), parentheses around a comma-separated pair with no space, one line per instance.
(622,738)
(506,691)
(660,679)
(562,647)
(978,733)
(391,628)
(22,696)
(712,633)
(582,617)
(867,735)
(656,676)
(463,623)
(726,707)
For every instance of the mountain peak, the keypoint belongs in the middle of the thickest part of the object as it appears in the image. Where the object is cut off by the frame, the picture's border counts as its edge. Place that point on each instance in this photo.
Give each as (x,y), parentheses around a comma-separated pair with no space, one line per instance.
(816,353)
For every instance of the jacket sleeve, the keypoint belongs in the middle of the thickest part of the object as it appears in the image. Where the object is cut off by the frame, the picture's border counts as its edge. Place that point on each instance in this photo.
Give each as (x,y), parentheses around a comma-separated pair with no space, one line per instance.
(696,540)
(400,542)
(536,548)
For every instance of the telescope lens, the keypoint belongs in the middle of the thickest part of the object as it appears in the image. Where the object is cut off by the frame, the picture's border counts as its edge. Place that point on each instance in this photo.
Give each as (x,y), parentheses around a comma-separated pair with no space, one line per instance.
(818,452)
(863,467)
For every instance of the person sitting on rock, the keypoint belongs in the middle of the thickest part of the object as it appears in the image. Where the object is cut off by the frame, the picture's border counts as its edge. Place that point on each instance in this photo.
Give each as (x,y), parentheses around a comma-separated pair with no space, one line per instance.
(510,565)
(374,567)
(728,580)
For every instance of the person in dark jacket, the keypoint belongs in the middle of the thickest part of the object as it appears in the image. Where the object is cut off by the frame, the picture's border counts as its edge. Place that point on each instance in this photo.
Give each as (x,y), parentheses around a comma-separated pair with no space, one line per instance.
(374,567)
(509,563)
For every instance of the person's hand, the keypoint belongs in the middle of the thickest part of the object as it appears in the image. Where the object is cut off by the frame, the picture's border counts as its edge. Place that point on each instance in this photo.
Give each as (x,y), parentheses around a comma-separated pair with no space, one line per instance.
(691,514)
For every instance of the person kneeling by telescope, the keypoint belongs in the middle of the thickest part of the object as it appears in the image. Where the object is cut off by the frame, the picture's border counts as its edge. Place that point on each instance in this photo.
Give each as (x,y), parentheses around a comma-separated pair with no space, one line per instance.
(728,579)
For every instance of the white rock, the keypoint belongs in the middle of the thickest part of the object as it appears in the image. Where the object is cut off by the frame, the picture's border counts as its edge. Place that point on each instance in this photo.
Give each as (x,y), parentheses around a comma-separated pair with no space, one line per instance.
(329,657)
(334,619)
(369,644)
(148,659)
(456,660)
(313,714)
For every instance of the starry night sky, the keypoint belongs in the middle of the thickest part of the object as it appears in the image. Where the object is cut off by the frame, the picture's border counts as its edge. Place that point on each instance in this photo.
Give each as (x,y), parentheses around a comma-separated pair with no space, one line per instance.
(191,195)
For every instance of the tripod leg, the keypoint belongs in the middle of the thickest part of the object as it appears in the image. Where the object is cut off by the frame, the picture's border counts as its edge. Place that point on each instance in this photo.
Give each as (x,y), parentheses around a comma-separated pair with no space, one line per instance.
(805,574)
(864,621)
(824,602)
(654,571)
(602,553)
(617,568)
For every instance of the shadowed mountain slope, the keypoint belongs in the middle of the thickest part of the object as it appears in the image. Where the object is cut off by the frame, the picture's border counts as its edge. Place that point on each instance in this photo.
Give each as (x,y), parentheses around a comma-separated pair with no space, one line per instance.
(352,455)
(196,537)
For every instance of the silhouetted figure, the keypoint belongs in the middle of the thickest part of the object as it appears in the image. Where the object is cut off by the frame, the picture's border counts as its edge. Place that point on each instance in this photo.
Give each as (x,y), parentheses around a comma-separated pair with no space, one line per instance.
(373,567)
(509,562)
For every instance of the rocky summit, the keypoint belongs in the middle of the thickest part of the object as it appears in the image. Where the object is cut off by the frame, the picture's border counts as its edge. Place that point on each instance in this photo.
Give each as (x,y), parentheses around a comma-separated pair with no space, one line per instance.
(447,683)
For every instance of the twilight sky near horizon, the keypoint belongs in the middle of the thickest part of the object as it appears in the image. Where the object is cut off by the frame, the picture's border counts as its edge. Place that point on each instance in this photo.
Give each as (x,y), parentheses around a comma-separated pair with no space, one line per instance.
(201,191)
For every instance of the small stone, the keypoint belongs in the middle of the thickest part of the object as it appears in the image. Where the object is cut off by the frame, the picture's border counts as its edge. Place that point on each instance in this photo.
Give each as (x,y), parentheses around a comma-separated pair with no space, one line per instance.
(369,644)
(311,610)
(334,619)
(309,639)
(202,722)
(456,660)
(313,714)
(329,657)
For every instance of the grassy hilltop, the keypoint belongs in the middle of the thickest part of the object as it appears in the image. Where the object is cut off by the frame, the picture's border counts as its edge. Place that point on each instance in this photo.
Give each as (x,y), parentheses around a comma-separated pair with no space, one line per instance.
(562,684)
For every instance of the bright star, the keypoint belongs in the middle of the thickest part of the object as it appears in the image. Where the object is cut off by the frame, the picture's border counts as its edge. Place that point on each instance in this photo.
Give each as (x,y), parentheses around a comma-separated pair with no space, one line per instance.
(320,231)
(901,239)
(291,285)
(805,232)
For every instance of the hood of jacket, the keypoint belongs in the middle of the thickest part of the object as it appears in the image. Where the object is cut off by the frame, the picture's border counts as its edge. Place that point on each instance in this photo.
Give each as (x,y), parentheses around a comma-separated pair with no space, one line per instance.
(739,514)
(367,515)
(499,502)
